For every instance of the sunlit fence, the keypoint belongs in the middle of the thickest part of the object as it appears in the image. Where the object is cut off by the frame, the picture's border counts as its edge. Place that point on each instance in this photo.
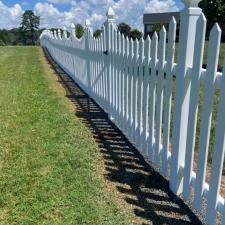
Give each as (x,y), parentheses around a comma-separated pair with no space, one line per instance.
(153,100)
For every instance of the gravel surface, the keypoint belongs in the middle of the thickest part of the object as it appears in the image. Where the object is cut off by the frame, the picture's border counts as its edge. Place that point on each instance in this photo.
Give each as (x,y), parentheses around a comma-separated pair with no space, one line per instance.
(137,184)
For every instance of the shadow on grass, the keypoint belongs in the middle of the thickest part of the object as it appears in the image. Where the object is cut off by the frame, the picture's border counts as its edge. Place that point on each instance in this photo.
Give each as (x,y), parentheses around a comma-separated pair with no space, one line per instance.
(145,191)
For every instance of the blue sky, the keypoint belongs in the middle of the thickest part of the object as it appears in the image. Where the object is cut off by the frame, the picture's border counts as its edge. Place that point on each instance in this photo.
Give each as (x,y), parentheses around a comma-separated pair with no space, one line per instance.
(59,13)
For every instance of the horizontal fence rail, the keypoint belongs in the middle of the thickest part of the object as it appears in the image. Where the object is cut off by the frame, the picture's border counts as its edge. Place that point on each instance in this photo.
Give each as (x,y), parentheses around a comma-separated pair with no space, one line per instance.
(155,101)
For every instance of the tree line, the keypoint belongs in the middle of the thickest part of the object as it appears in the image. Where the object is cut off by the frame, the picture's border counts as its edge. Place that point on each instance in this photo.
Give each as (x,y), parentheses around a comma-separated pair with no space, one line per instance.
(28,33)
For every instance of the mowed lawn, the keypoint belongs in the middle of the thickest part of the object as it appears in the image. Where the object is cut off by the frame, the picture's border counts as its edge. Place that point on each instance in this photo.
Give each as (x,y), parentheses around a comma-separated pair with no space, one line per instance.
(48,172)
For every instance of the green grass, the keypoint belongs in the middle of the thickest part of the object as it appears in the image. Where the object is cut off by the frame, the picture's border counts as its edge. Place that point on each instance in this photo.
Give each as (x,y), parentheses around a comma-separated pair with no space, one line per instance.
(221,56)
(205,55)
(47,158)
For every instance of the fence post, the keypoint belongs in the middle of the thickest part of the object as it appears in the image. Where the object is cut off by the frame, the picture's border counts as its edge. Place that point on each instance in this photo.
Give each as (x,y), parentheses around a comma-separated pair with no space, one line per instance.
(108,23)
(87,49)
(188,20)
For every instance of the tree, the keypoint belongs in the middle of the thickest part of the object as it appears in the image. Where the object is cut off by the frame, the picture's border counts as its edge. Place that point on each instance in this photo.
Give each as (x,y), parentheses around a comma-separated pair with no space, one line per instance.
(136,34)
(97,33)
(158,26)
(124,29)
(79,30)
(214,11)
(29,26)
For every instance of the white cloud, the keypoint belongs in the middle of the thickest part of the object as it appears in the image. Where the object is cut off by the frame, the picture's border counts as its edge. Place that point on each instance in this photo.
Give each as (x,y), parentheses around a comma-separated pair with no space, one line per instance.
(156,6)
(10,16)
(60,1)
(129,11)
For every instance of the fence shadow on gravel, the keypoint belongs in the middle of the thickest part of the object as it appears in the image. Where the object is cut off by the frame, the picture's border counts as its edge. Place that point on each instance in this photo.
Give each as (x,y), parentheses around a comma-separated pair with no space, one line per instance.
(144,189)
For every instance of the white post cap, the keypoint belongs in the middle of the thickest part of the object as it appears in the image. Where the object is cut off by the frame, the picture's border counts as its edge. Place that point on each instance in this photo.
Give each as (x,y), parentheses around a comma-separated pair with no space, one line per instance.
(87,23)
(110,14)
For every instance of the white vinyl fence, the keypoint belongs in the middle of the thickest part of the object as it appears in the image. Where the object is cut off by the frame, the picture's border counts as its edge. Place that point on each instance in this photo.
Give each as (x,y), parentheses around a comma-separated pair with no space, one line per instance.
(132,82)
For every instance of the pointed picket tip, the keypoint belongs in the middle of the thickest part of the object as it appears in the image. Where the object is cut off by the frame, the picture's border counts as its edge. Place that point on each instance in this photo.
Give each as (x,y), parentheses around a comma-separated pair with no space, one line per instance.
(155,36)
(142,40)
(148,38)
(215,33)
(163,30)
(202,19)
(136,41)
(127,39)
(172,21)
(110,13)
(216,29)
(142,44)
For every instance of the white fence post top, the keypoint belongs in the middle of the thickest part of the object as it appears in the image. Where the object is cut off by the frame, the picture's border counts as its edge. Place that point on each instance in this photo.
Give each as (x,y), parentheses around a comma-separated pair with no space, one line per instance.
(87,23)
(110,15)
(55,34)
(191,3)
(59,34)
(72,26)
(65,32)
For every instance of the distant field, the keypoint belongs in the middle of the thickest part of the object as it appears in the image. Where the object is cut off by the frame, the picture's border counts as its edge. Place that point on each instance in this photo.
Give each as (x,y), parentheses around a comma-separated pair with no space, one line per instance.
(221,56)
(48,172)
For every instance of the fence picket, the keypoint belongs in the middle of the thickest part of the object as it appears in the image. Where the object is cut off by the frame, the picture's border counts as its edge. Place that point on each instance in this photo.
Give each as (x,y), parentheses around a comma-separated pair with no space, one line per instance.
(135,87)
(118,77)
(159,101)
(130,94)
(212,63)
(168,95)
(154,51)
(126,85)
(217,158)
(146,94)
(192,119)
(140,92)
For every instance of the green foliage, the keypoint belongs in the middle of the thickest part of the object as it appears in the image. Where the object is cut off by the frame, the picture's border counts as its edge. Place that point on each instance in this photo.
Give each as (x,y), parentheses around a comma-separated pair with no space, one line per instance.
(11,37)
(29,25)
(97,33)
(215,12)
(79,30)
(158,26)
(136,34)
(125,29)
(27,34)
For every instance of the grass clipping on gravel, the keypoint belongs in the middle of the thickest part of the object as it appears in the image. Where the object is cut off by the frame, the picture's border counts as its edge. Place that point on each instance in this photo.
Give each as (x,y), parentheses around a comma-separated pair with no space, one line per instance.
(47,158)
